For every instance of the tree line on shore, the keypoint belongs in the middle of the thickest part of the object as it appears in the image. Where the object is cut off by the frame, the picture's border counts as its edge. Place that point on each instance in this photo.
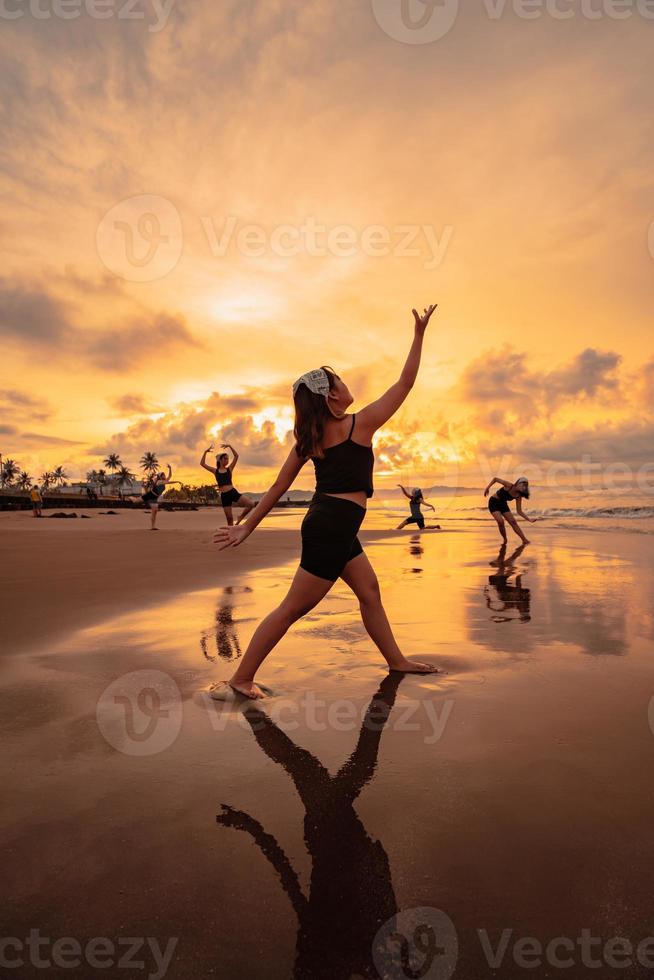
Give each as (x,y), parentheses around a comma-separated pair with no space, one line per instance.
(114,476)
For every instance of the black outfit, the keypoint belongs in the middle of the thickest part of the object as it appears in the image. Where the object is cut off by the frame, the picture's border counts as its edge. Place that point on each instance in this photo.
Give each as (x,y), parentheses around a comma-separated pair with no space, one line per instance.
(345,468)
(500,501)
(227,497)
(152,495)
(416,513)
(331,526)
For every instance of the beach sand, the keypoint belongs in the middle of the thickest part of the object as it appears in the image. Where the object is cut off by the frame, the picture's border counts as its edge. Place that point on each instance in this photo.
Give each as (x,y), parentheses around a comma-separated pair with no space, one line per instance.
(512,792)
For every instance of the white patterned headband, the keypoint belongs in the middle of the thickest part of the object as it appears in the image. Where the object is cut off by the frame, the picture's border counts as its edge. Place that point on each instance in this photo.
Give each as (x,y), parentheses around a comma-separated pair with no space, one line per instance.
(316,381)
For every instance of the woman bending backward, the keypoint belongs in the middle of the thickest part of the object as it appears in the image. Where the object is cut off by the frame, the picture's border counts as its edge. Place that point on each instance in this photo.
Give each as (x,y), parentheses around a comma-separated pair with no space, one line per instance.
(340,447)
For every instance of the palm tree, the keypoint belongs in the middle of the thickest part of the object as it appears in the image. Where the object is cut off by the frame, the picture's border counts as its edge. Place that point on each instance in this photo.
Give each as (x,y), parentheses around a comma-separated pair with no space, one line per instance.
(24,481)
(125,476)
(101,479)
(149,462)
(47,480)
(59,476)
(113,462)
(10,470)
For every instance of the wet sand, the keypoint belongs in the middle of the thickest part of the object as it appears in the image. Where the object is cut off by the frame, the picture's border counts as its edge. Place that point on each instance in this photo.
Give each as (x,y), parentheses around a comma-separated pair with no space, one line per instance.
(510,793)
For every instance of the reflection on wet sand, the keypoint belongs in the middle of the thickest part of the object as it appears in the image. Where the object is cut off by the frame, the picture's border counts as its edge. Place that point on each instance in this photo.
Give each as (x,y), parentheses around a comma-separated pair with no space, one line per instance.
(416,550)
(223,632)
(351,892)
(504,597)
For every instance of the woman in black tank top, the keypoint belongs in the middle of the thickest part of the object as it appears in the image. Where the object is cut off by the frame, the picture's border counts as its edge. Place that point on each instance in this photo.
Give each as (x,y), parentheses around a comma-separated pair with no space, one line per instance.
(340,448)
(154,489)
(229,495)
(499,503)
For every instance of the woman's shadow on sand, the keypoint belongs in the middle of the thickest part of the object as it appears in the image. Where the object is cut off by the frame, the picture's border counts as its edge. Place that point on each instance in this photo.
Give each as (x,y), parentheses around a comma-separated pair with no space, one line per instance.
(351,892)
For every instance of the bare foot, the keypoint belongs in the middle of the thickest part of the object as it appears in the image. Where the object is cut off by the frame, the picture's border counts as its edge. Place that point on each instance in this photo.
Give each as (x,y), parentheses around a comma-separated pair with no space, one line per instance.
(249,689)
(414,667)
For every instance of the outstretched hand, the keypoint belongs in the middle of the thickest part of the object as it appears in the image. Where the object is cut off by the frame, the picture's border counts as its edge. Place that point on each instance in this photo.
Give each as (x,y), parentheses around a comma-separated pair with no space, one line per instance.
(230,537)
(486,491)
(422,321)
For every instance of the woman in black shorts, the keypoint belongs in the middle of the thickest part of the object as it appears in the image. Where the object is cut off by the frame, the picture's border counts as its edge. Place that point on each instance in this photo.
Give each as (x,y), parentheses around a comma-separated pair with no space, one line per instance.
(229,496)
(340,447)
(154,491)
(499,502)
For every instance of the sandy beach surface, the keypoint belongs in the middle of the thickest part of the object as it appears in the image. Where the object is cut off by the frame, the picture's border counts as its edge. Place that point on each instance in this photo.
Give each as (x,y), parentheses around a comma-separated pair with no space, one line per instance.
(463,821)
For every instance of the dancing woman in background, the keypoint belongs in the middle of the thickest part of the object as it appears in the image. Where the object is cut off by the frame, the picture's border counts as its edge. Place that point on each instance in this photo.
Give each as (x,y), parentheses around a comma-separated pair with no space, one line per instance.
(229,496)
(499,502)
(154,491)
(340,446)
(416,502)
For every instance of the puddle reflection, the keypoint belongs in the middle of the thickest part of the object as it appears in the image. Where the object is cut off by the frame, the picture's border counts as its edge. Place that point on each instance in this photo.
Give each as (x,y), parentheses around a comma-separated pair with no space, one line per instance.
(351,892)
(504,597)
(223,636)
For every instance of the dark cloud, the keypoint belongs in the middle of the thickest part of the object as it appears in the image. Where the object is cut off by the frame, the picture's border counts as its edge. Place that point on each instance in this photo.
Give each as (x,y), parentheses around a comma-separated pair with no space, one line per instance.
(134,404)
(7,430)
(631,443)
(24,405)
(30,315)
(507,386)
(588,373)
(40,439)
(119,350)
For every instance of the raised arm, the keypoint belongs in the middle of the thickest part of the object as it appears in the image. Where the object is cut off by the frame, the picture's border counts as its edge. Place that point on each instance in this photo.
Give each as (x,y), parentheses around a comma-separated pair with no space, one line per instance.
(231,537)
(203,461)
(373,416)
(496,479)
(234,461)
(404,491)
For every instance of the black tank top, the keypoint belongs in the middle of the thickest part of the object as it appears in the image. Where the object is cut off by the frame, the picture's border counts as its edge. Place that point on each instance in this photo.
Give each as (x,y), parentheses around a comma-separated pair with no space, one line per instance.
(223,479)
(345,468)
(504,495)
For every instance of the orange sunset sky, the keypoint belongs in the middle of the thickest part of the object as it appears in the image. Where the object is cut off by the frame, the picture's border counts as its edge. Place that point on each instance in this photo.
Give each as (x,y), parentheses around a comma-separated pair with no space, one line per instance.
(138,311)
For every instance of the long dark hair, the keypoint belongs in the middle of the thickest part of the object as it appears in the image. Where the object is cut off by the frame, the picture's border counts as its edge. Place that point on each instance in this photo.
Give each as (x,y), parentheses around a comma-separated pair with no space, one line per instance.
(311,413)
(526,493)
